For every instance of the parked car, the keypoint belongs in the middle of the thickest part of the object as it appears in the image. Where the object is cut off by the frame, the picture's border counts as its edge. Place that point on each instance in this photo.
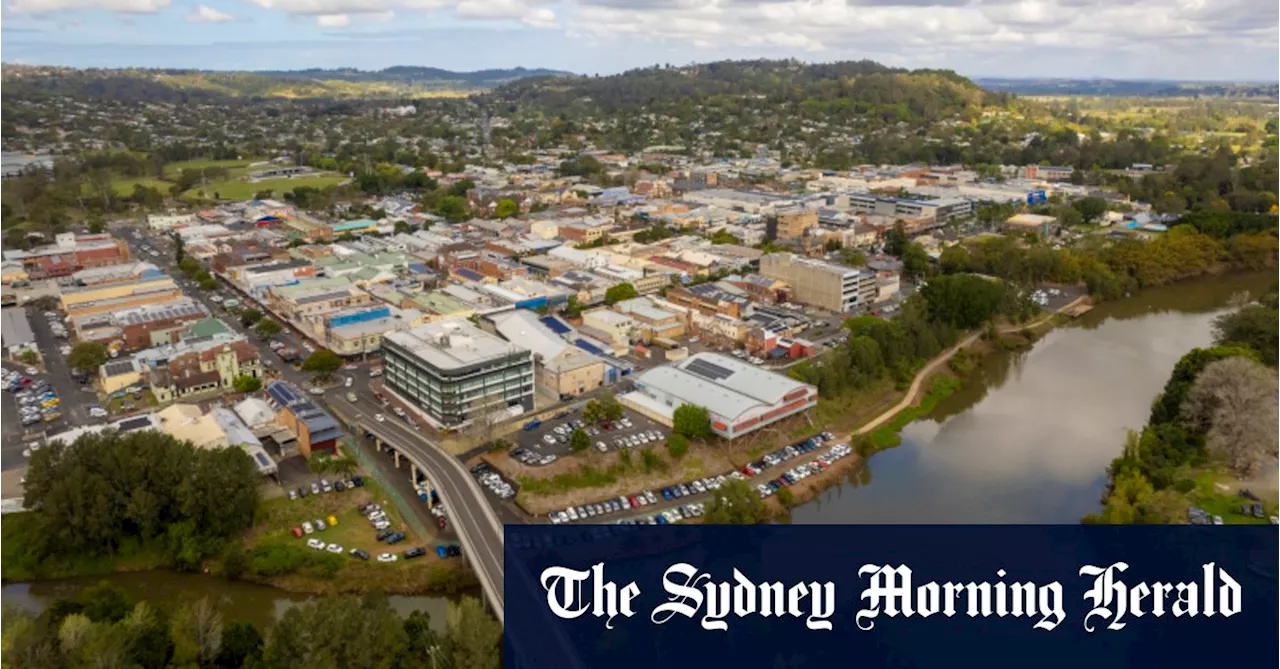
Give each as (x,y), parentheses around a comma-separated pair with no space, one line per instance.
(360,553)
(415,552)
(387,557)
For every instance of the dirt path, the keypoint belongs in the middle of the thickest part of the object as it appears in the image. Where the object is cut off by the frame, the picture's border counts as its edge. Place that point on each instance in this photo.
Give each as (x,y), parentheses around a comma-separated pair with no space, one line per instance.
(914,392)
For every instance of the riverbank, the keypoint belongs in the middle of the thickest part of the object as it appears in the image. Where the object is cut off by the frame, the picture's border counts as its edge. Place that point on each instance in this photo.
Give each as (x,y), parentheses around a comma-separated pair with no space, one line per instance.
(934,382)
(267,554)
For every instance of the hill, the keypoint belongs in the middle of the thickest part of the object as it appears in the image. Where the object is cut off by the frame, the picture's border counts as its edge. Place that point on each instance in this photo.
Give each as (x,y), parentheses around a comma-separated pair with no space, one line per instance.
(160,85)
(1129,88)
(859,87)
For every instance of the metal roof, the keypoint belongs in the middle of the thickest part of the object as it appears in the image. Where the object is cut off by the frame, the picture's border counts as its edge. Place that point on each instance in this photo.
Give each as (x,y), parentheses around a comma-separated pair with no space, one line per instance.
(15,329)
(723,385)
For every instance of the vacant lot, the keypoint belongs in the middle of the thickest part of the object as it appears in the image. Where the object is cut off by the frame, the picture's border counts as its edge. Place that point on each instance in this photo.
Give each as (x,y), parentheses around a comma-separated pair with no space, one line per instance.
(236,168)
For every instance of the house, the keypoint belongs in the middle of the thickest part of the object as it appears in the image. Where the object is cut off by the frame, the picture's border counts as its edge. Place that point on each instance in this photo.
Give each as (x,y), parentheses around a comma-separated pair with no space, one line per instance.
(206,371)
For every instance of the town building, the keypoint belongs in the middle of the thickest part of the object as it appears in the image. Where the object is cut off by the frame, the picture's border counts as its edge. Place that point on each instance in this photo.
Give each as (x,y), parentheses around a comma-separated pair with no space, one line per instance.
(739,398)
(821,284)
(563,370)
(69,254)
(315,429)
(1041,226)
(207,370)
(150,288)
(17,335)
(452,372)
(608,325)
(140,327)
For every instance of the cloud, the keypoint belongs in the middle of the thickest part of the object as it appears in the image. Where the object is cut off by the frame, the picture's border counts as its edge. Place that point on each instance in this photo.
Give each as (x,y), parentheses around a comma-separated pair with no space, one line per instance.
(333,20)
(58,6)
(207,14)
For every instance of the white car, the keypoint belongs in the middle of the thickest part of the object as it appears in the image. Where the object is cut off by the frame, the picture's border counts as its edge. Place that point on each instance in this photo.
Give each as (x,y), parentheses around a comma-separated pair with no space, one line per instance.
(379,417)
(307,528)
(334,548)
(349,382)
(601,447)
(98,412)
(316,544)
(317,391)
(387,557)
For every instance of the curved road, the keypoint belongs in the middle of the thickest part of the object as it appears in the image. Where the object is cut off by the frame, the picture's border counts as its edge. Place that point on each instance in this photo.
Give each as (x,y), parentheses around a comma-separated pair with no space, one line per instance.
(468,508)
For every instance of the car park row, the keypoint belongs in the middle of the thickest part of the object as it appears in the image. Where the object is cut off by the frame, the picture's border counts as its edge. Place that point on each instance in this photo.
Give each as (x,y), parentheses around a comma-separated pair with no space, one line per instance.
(493,481)
(698,486)
(36,399)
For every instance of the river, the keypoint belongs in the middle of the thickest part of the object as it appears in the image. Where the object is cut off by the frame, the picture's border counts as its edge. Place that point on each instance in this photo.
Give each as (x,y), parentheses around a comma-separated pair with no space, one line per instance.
(259,604)
(1029,437)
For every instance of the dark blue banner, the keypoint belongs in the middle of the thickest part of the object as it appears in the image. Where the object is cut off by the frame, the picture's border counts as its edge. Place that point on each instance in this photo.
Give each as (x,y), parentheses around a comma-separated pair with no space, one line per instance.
(666,597)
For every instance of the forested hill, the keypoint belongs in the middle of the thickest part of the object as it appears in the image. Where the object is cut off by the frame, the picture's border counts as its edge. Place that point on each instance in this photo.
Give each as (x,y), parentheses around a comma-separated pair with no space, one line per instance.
(863,87)
(434,76)
(159,85)
(1130,88)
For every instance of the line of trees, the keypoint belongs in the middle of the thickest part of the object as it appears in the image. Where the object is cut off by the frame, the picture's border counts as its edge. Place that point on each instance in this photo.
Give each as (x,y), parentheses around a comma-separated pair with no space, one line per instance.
(117,493)
(103,629)
(1218,409)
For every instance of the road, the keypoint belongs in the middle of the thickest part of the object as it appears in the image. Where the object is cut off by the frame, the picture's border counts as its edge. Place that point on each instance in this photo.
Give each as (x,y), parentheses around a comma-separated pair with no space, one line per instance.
(469,509)
(468,506)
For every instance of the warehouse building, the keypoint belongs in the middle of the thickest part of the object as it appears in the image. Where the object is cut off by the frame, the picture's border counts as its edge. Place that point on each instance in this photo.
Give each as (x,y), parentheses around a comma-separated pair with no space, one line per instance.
(739,397)
(452,372)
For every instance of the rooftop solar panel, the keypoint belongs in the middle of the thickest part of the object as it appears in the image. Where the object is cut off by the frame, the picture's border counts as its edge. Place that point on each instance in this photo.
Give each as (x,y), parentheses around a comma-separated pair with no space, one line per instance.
(708,370)
(133,423)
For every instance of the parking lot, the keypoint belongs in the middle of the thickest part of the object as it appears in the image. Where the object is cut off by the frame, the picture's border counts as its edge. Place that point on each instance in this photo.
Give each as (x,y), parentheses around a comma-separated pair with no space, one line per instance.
(550,439)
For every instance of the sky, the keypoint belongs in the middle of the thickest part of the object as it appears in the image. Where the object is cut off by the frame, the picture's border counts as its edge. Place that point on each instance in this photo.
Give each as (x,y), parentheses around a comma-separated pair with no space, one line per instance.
(1114,39)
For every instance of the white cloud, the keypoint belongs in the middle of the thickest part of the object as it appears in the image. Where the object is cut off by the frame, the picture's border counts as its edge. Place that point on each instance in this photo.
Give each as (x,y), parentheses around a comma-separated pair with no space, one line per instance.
(333,20)
(207,14)
(540,17)
(57,6)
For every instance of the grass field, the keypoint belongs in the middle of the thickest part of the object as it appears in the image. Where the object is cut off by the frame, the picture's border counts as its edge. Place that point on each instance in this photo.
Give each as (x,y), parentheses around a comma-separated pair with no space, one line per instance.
(243,189)
(125,186)
(237,168)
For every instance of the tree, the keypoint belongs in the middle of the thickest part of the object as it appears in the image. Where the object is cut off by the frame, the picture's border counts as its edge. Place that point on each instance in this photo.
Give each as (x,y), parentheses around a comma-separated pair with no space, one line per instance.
(241,643)
(246,384)
(1254,326)
(1090,208)
(735,503)
(474,637)
(677,445)
(169,494)
(915,262)
(610,408)
(619,292)
(453,208)
(322,362)
(853,257)
(208,284)
(267,327)
(88,356)
(403,228)
(29,356)
(344,631)
(963,300)
(179,252)
(579,441)
(506,209)
(196,630)
(1233,402)
(895,240)
(572,307)
(250,316)
(692,421)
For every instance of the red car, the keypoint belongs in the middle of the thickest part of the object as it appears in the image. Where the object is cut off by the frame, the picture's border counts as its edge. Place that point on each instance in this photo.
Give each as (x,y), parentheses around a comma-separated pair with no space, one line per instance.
(297,531)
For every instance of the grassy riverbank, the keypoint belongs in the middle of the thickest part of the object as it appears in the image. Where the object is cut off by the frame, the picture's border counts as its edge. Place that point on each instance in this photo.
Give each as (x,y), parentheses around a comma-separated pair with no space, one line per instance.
(268,553)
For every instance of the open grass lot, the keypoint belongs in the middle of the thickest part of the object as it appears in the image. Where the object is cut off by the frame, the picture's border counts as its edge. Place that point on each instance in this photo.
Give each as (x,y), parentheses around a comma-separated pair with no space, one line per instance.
(1215,492)
(243,189)
(125,186)
(237,168)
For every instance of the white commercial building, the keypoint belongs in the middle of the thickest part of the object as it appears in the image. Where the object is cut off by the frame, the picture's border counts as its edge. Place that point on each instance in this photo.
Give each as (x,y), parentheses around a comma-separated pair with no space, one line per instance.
(738,397)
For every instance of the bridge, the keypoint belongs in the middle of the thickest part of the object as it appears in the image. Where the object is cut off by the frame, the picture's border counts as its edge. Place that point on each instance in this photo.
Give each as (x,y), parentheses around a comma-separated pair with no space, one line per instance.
(469,511)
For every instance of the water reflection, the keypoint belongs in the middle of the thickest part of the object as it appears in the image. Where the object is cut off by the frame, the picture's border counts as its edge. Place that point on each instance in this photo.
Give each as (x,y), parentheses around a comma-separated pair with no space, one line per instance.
(1029,437)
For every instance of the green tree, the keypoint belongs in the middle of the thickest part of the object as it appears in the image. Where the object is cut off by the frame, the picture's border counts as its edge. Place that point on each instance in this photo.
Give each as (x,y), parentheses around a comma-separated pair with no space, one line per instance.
(196,630)
(610,408)
(1255,326)
(572,307)
(853,257)
(322,362)
(267,327)
(241,644)
(250,316)
(425,645)
(652,461)
(1090,208)
(735,503)
(677,445)
(208,284)
(619,292)
(343,631)
(88,356)
(474,637)
(29,357)
(246,384)
(506,209)
(915,262)
(453,208)
(579,441)
(104,602)
(692,421)
(963,300)
(896,239)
